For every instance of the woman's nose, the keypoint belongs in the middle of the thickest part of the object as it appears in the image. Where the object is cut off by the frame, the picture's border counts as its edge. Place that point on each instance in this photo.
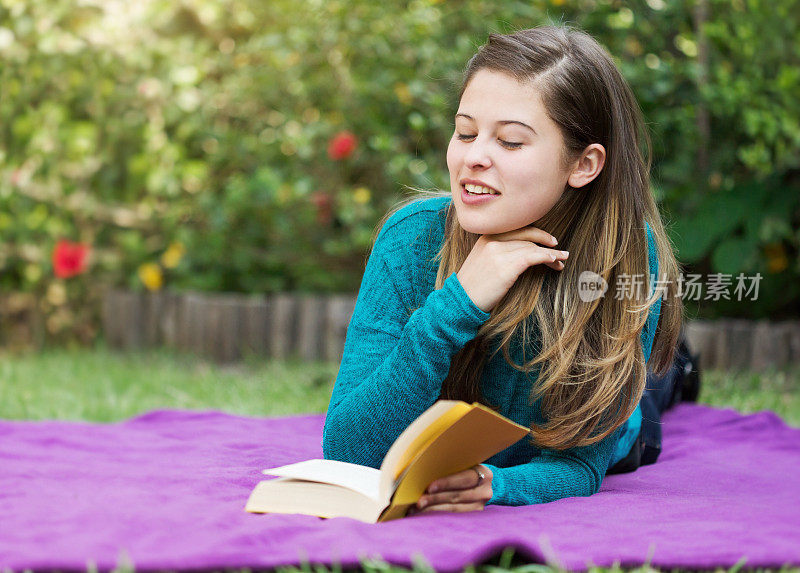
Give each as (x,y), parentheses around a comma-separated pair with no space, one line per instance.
(477,154)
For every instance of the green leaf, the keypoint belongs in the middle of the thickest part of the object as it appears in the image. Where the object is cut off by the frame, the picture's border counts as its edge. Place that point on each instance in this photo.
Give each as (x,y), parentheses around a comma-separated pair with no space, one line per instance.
(718,216)
(733,255)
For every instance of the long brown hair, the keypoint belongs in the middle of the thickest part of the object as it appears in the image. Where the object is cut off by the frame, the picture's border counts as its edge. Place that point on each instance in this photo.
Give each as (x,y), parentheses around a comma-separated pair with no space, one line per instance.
(587,355)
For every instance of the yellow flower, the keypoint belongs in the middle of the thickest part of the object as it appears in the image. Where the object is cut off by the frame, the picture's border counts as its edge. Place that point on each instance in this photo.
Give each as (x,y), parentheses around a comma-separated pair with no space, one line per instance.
(173,255)
(56,294)
(151,276)
(361,195)
(777,260)
(403,93)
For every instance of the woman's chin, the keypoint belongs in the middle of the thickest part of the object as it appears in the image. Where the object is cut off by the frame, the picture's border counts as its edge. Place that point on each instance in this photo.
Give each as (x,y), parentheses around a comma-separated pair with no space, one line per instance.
(482,223)
(482,228)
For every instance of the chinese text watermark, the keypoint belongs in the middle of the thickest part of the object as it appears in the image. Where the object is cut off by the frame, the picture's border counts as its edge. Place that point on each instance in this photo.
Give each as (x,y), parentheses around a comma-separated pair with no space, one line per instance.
(592,286)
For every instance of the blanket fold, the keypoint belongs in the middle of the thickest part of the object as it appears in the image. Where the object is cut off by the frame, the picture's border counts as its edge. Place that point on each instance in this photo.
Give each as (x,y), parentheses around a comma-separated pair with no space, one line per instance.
(166,490)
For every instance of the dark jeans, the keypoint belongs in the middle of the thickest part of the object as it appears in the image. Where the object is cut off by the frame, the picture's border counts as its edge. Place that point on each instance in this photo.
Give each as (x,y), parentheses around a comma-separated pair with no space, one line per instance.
(681,383)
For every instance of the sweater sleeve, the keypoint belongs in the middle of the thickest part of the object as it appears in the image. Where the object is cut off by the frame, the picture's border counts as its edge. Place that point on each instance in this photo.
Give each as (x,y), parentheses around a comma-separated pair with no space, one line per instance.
(554,474)
(393,364)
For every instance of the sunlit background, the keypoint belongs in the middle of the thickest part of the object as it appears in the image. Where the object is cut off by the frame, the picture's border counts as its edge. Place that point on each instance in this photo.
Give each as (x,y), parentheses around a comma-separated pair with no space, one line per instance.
(250,146)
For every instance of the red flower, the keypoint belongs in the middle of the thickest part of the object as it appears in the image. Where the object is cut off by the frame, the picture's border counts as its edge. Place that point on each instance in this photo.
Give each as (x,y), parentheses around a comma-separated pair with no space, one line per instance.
(342,145)
(69,259)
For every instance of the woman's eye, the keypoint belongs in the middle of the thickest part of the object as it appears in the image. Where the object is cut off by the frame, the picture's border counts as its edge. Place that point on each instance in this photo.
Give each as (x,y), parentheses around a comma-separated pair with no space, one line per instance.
(503,142)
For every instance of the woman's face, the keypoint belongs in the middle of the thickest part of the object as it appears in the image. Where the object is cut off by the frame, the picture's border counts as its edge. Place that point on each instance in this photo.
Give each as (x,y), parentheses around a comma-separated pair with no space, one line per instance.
(504,142)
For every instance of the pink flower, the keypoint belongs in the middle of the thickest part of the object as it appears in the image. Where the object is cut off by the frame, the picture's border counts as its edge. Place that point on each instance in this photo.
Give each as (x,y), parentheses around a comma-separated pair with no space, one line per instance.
(69,259)
(342,145)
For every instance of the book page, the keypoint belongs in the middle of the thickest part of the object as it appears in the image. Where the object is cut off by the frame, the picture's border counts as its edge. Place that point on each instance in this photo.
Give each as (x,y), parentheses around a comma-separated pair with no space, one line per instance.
(288,495)
(362,479)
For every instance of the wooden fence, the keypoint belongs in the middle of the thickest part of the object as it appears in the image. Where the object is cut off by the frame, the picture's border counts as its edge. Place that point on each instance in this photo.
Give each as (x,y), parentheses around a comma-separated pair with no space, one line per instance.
(745,344)
(226,327)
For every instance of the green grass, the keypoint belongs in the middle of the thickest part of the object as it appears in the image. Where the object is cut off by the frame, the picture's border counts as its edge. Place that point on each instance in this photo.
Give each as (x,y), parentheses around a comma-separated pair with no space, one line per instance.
(505,562)
(104,386)
(753,392)
(101,385)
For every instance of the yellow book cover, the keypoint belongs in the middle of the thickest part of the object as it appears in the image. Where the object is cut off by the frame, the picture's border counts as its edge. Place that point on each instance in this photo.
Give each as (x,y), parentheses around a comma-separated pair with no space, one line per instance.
(449,437)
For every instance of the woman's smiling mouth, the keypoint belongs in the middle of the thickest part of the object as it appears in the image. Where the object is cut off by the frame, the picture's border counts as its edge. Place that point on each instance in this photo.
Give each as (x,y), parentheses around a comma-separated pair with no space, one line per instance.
(476,187)
(482,194)
(479,189)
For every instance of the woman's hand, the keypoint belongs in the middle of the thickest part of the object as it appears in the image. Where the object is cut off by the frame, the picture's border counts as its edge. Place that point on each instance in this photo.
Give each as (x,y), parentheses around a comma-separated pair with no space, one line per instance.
(496,261)
(464,491)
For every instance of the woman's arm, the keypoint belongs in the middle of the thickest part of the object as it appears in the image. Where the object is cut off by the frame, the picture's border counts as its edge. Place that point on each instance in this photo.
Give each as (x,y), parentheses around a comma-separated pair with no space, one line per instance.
(573,472)
(548,477)
(393,365)
(553,475)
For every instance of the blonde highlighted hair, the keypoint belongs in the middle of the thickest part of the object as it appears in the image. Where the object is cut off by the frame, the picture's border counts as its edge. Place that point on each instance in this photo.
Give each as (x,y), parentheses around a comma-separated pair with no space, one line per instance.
(587,355)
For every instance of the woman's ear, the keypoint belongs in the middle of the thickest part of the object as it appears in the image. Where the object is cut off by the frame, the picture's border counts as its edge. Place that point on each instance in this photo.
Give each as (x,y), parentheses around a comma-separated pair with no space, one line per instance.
(588,166)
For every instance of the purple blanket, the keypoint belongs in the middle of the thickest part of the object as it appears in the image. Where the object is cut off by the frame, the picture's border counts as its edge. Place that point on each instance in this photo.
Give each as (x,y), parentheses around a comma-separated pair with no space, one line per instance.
(166,490)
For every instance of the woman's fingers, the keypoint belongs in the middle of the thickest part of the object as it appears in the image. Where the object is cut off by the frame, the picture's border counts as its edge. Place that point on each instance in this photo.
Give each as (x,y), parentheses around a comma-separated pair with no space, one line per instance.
(462,491)
(528,247)
(527,235)
(494,265)
(470,496)
(455,507)
(461,480)
(532,255)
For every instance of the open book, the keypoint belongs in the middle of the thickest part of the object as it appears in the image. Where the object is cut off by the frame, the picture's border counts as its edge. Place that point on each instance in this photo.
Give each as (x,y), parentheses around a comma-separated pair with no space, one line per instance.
(447,438)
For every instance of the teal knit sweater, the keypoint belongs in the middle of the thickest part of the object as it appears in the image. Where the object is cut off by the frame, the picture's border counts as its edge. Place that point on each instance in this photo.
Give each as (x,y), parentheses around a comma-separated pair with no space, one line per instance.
(396,358)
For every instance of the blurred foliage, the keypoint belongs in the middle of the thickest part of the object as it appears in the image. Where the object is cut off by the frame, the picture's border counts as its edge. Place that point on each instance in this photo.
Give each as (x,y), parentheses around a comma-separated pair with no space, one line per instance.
(202,128)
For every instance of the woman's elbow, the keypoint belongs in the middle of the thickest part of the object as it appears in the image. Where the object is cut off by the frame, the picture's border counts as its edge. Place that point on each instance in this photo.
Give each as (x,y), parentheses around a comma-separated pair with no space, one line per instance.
(332,439)
(591,480)
(341,441)
(345,439)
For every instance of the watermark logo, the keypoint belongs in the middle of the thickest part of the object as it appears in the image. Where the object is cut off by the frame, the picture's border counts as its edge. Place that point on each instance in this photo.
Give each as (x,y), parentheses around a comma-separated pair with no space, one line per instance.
(591,286)
(717,286)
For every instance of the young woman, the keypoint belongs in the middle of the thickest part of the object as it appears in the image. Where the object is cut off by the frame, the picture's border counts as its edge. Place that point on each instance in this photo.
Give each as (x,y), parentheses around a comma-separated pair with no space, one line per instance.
(480,294)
